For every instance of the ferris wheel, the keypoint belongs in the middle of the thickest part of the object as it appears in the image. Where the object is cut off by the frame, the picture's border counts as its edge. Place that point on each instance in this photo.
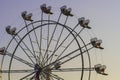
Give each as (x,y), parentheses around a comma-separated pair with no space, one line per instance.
(49,48)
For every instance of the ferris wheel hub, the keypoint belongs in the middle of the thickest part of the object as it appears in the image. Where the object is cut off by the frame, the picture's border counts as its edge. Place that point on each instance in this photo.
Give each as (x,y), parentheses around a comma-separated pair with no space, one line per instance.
(37,68)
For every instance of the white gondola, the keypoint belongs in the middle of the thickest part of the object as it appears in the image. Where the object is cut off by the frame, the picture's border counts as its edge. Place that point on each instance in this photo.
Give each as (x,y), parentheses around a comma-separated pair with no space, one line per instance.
(46,9)
(10,30)
(65,11)
(84,23)
(49,10)
(13,31)
(26,16)
(100,69)
(96,43)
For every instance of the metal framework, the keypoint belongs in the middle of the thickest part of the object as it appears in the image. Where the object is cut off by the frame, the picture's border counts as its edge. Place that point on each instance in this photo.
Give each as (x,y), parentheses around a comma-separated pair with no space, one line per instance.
(43,49)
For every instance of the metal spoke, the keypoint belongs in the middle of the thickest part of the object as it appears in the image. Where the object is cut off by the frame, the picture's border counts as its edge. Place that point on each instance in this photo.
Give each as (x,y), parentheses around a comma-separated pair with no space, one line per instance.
(27,48)
(32,77)
(58,39)
(72,69)
(65,39)
(37,41)
(24,51)
(69,44)
(40,55)
(20,59)
(72,52)
(47,38)
(30,40)
(60,34)
(17,71)
(51,39)
(27,75)
(56,77)
(69,55)
(61,43)
(43,76)
(74,56)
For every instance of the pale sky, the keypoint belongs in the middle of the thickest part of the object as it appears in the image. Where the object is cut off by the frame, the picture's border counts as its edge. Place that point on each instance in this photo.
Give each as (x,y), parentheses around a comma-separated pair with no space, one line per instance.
(104,18)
